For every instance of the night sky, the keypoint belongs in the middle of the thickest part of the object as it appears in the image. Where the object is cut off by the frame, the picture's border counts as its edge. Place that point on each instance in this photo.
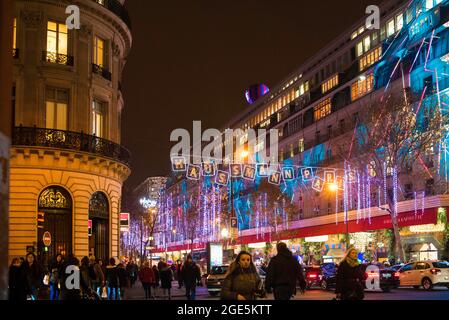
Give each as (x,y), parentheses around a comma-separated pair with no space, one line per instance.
(193,60)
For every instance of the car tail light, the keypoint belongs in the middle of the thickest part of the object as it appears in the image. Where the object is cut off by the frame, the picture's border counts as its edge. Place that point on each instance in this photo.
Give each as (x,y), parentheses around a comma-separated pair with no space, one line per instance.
(435,271)
(312,276)
(396,274)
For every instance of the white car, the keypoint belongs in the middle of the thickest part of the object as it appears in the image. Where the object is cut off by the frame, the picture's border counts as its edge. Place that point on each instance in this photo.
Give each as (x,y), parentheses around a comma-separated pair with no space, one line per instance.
(425,273)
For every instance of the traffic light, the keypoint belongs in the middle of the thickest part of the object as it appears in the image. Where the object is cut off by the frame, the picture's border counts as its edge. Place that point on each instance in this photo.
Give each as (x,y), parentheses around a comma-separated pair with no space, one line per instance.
(40,220)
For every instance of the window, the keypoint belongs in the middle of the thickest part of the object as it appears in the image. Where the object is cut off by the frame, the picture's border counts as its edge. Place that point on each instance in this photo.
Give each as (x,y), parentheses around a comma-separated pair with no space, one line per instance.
(292,151)
(323,109)
(407,267)
(399,22)
(56,108)
(390,28)
(57,37)
(98,116)
(370,58)
(382,33)
(301,145)
(330,83)
(359,48)
(354,35)
(14,36)
(367,43)
(363,86)
(429,4)
(99,52)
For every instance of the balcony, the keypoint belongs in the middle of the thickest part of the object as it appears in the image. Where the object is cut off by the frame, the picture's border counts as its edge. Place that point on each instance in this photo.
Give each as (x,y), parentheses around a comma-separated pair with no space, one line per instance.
(101,71)
(117,8)
(58,58)
(68,140)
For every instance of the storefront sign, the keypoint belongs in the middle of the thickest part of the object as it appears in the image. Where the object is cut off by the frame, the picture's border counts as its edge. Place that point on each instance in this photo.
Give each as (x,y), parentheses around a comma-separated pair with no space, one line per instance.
(317,239)
(124,222)
(427,228)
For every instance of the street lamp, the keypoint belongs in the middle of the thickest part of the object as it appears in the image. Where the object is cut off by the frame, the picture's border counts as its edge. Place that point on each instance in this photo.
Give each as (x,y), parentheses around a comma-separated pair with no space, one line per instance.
(224,233)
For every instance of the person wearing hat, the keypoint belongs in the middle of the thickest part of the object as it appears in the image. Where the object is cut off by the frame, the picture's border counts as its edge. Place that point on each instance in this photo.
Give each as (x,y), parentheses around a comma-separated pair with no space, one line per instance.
(190,275)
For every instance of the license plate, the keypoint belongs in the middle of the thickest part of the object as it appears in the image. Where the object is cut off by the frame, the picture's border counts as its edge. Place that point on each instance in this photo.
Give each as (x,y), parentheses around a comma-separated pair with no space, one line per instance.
(387,275)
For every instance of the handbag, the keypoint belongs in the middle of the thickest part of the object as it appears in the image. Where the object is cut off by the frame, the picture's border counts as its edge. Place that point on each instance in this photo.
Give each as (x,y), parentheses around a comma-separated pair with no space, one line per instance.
(104,293)
(46,280)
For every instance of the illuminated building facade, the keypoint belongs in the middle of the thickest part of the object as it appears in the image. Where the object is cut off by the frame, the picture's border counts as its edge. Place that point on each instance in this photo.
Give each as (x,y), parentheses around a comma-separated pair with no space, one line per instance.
(316,111)
(67,163)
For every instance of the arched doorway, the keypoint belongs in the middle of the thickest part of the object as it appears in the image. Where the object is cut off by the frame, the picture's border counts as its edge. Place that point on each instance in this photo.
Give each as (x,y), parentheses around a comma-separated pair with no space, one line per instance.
(99,216)
(56,205)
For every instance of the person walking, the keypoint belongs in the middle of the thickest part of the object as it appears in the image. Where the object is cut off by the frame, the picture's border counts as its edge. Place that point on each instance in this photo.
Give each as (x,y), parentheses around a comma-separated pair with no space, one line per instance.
(166,276)
(96,275)
(146,276)
(34,275)
(190,275)
(350,277)
(283,273)
(123,280)
(242,281)
(156,281)
(112,280)
(133,271)
(17,282)
(55,276)
(85,278)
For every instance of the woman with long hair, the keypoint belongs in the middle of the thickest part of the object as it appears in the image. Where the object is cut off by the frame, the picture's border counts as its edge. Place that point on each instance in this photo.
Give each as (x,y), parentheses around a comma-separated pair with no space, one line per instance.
(55,276)
(242,280)
(33,274)
(350,277)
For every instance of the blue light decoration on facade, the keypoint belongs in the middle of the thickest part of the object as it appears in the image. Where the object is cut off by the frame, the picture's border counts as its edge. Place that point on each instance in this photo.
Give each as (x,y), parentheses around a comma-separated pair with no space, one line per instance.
(255,92)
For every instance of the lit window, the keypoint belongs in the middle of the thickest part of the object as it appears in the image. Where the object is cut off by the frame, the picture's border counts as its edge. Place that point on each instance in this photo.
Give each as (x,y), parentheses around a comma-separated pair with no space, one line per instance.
(14,37)
(99,52)
(361,30)
(292,151)
(367,43)
(330,83)
(323,109)
(382,33)
(354,35)
(301,145)
(429,4)
(98,113)
(359,48)
(390,28)
(362,87)
(399,22)
(57,37)
(56,102)
(370,58)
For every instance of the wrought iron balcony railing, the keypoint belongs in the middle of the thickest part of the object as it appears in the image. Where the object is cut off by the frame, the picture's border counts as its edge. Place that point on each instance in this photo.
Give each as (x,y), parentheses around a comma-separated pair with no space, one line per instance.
(117,8)
(58,58)
(15,53)
(101,71)
(69,140)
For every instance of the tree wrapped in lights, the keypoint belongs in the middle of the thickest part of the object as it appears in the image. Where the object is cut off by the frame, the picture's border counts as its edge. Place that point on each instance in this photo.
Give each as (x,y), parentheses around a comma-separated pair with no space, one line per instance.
(390,138)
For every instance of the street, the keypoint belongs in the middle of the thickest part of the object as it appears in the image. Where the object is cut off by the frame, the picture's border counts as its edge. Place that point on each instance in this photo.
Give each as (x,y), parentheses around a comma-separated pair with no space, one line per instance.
(439,293)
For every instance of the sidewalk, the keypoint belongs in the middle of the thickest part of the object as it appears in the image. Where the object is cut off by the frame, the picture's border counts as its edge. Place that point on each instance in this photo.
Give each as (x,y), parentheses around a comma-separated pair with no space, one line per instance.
(137,293)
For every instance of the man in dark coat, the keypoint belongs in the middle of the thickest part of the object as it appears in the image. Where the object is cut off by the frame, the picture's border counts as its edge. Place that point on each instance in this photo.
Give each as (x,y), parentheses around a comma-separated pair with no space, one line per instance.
(283,273)
(190,275)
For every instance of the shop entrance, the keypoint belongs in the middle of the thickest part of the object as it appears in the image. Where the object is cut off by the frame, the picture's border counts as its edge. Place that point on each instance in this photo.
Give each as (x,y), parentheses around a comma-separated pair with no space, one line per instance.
(56,205)
(99,238)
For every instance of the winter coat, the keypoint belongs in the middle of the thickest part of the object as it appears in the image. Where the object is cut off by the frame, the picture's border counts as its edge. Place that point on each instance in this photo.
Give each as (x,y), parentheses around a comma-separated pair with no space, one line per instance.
(166,276)
(146,275)
(245,283)
(112,276)
(85,281)
(95,269)
(123,277)
(283,270)
(350,282)
(69,293)
(190,274)
(17,284)
(34,276)
(156,276)
(56,272)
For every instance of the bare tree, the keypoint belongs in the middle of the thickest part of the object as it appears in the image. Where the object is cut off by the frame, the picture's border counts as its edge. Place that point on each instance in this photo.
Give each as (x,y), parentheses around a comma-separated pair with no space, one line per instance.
(390,136)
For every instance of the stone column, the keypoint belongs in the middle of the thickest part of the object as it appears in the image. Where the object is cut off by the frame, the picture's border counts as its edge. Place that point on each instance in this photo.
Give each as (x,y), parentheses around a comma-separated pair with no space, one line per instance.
(6,24)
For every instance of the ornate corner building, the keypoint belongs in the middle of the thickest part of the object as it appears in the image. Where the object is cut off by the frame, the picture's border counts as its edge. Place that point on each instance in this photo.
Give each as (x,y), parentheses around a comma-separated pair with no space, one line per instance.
(67,164)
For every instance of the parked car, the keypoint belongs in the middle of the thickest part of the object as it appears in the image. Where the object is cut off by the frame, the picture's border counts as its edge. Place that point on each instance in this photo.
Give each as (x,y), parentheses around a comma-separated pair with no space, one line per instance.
(313,276)
(396,267)
(328,276)
(215,279)
(388,278)
(425,273)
